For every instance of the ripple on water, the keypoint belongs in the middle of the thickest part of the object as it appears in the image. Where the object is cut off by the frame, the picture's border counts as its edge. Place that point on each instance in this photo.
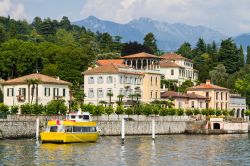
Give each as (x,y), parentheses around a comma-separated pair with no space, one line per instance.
(137,150)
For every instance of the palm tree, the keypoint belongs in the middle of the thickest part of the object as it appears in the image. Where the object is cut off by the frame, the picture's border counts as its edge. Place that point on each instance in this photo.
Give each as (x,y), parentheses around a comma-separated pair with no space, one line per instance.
(137,96)
(34,83)
(110,94)
(103,102)
(120,97)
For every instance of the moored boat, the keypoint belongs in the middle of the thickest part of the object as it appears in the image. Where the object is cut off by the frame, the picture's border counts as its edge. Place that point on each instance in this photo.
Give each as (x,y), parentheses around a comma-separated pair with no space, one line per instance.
(77,127)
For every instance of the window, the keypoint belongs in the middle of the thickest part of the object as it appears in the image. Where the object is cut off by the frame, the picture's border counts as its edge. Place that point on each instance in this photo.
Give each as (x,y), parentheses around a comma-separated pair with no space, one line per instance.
(10,92)
(22,92)
(55,92)
(200,104)
(91,80)
(132,80)
(226,96)
(156,95)
(100,93)
(91,93)
(109,91)
(172,71)
(217,95)
(221,95)
(207,105)
(64,92)
(110,80)
(100,80)
(151,80)
(151,94)
(156,81)
(179,105)
(217,105)
(121,80)
(192,104)
(46,92)
(221,106)
(207,94)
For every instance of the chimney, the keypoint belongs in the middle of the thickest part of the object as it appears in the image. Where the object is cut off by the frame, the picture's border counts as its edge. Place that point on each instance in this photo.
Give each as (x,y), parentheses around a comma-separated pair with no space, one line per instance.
(208,81)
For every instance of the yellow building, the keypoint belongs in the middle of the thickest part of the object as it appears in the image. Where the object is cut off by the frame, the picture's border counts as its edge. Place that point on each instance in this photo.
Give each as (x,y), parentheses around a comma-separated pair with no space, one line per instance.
(216,97)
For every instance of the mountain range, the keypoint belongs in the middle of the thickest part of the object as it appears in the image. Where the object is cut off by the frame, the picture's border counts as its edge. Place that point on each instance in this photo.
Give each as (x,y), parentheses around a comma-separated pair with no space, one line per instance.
(169,36)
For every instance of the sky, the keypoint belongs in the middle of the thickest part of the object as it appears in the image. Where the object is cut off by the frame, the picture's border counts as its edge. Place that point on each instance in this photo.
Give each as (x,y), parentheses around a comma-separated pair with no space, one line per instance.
(230,17)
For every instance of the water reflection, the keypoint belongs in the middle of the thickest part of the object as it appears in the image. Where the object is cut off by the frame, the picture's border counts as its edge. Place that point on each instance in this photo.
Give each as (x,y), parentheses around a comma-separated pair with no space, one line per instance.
(167,150)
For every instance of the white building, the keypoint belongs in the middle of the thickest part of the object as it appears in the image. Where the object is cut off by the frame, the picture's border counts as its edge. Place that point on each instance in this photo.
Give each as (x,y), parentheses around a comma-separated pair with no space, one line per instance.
(177,67)
(139,75)
(17,91)
(237,104)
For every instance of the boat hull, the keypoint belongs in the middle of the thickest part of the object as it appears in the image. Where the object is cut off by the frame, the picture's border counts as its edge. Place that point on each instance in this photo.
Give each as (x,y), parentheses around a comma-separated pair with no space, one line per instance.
(61,137)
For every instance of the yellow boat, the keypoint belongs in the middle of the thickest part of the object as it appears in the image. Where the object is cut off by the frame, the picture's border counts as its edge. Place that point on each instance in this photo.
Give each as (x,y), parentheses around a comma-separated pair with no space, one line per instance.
(78,127)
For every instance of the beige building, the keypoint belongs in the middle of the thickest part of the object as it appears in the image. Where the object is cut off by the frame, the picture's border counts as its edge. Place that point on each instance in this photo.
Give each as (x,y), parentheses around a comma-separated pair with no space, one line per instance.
(185,101)
(216,97)
(138,74)
(176,67)
(18,92)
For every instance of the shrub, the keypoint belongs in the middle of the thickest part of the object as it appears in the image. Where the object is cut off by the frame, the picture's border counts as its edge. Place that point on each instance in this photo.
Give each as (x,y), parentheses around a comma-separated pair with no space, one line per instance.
(247,113)
(37,109)
(180,112)
(56,107)
(204,112)
(156,109)
(138,109)
(211,112)
(147,109)
(231,112)
(26,109)
(4,108)
(88,108)
(196,111)
(218,112)
(163,112)
(129,111)
(98,110)
(189,112)
(109,110)
(225,112)
(14,109)
(119,110)
(171,111)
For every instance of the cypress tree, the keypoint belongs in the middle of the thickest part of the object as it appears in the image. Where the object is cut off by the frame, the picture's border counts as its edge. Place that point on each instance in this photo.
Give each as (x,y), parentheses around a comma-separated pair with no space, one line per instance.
(150,42)
(241,57)
(248,55)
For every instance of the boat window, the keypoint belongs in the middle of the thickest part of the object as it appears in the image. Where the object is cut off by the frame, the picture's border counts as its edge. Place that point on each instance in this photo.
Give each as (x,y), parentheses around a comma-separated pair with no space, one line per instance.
(85,117)
(84,129)
(73,116)
(53,128)
(68,129)
(80,116)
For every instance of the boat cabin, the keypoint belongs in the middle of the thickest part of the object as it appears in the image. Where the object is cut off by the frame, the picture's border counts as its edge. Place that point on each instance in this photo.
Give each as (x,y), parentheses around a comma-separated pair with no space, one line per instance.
(79,116)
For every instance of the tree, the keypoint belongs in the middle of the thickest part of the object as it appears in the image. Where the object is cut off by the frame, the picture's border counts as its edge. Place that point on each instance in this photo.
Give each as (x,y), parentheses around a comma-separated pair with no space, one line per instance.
(55,107)
(219,75)
(4,108)
(185,50)
(1,96)
(64,38)
(65,23)
(99,110)
(34,83)
(228,55)
(109,110)
(185,85)
(241,56)
(150,42)
(120,97)
(248,55)
(133,48)
(129,111)
(200,48)
(119,110)
(110,95)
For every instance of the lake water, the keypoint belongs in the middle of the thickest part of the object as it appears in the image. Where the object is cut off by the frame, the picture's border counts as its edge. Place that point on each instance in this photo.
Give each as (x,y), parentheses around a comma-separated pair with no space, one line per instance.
(137,150)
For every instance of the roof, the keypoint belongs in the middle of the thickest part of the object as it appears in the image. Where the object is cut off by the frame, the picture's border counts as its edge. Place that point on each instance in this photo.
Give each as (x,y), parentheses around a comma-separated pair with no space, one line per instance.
(206,86)
(166,64)
(173,56)
(109,69)
(109,61)
(174,94)
(141,55)
(42,78)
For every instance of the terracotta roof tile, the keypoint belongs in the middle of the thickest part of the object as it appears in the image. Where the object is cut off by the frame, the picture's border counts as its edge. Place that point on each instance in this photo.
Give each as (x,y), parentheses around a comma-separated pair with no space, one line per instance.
(166,64)
(140,55)
(109,61)
(173,56)
(41,77)
(174,94)
(110,69)
(206,86)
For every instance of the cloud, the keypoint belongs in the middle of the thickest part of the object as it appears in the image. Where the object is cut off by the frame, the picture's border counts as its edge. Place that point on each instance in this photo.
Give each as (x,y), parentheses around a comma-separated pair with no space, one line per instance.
(16,11)
(228,16)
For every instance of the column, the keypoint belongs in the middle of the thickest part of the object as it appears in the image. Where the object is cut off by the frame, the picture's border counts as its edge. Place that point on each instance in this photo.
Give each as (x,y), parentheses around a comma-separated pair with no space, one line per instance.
(136,64)
(141,64)
(147,67)
(131,65)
